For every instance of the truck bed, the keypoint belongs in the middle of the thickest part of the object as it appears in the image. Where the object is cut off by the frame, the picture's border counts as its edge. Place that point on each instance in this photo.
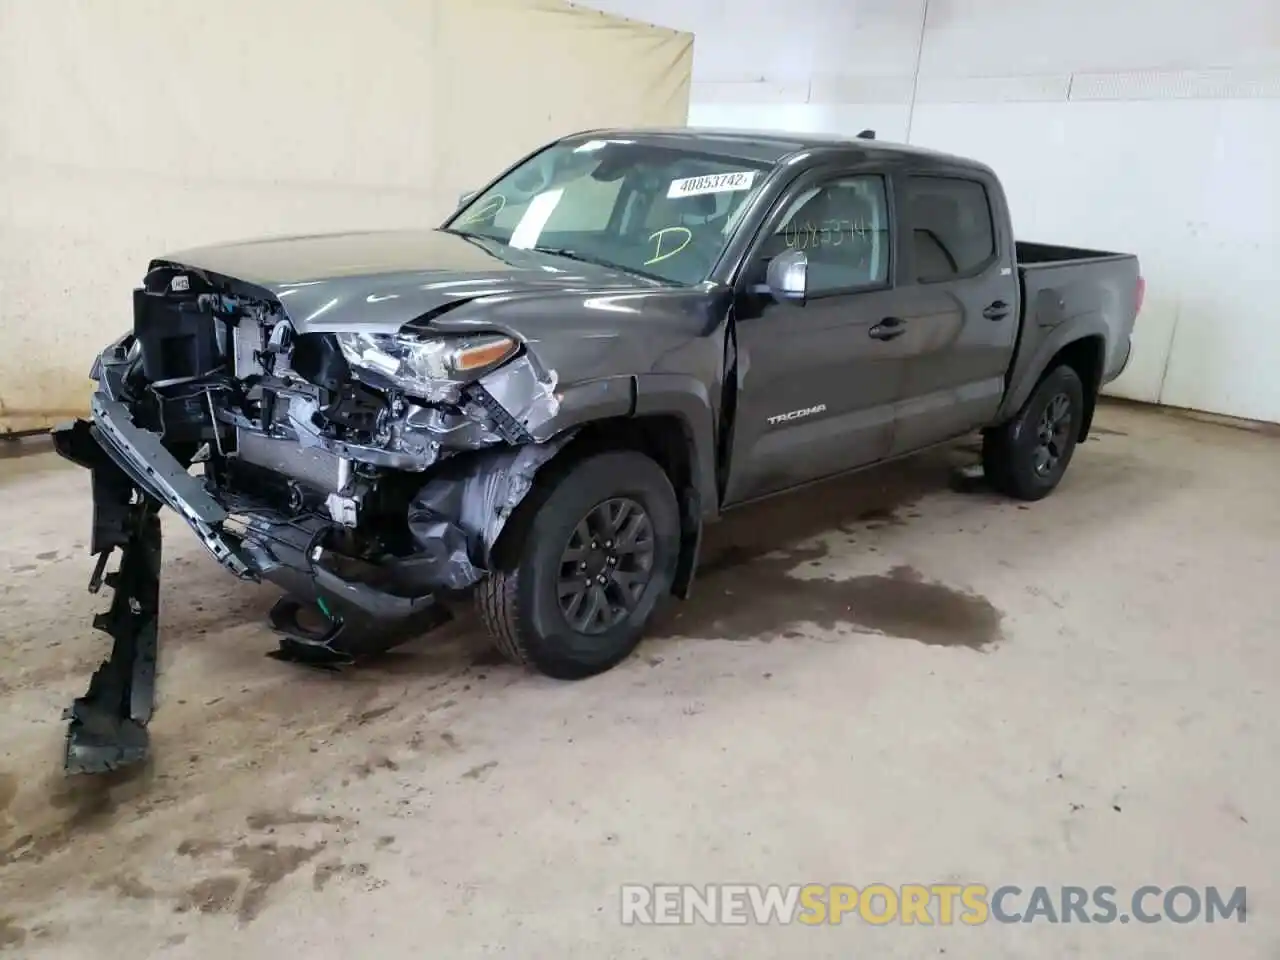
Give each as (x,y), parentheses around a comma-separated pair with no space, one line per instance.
(1068,293)
(1043,254)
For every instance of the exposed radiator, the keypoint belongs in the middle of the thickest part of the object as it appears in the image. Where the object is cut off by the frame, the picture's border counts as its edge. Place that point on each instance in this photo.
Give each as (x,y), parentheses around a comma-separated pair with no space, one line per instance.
(314,467)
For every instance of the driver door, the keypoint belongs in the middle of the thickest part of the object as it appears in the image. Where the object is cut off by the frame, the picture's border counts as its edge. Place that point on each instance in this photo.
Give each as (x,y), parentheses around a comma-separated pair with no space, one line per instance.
(817,382)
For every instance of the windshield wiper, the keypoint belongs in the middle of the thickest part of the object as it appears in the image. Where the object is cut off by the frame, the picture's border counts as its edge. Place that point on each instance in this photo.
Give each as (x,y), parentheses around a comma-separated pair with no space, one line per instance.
(569,254)
(477,239)
(572,255)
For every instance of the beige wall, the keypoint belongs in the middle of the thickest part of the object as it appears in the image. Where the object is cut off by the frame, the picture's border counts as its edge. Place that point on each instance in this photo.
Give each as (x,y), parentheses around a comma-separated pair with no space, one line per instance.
(139,126)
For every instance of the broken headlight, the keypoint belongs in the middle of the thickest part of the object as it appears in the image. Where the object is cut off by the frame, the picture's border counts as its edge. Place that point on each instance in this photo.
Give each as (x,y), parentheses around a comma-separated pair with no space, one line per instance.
(430,368)
(124,348)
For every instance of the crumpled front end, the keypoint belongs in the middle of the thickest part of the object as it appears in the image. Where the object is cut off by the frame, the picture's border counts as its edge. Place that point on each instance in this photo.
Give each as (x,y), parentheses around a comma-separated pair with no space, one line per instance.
(368,474)
(279,448)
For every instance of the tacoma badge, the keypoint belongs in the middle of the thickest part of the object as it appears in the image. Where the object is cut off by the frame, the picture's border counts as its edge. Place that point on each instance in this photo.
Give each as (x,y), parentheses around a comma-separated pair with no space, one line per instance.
(798,414)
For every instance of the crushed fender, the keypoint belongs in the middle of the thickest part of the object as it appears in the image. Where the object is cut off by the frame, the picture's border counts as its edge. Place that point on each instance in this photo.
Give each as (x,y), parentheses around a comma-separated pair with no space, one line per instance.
(458,514)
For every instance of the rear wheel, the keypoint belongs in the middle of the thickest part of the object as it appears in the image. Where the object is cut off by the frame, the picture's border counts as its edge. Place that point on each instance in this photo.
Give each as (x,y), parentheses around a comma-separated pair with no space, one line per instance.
(1026,457)
(593,561)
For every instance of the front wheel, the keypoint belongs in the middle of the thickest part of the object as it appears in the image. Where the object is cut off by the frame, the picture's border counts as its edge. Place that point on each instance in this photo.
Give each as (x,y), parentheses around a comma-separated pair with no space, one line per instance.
(1026,457)
(599,553)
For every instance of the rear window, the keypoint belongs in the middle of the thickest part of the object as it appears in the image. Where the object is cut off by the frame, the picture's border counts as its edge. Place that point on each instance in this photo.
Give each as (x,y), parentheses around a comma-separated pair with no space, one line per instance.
(951,227)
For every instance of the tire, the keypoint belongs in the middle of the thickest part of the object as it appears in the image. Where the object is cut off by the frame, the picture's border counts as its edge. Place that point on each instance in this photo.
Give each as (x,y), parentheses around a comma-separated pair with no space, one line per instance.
(521,603)
(1016,458)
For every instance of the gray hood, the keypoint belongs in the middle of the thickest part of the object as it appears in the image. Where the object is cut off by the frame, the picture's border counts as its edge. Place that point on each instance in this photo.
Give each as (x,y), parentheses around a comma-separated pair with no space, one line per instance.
(378,281)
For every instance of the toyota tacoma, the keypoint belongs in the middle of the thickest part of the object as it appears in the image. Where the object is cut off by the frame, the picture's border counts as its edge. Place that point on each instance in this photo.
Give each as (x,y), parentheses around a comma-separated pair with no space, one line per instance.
(542,402)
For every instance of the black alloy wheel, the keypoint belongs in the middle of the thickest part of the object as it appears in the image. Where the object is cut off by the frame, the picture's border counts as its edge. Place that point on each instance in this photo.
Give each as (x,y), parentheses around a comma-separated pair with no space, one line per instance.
(1052,434)
(591,552)
(606,565)
(1027,455)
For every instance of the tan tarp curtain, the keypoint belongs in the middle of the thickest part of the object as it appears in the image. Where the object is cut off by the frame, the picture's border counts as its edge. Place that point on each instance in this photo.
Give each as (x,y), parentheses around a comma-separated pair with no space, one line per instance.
(131,128)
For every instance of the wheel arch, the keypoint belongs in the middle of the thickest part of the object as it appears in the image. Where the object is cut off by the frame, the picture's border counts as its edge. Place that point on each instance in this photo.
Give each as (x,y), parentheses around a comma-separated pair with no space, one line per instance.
(1080,345)
(671,421)
(1086,356)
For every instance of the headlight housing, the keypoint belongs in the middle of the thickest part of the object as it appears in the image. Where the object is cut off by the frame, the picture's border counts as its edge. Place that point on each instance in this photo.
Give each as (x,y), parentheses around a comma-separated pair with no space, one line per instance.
(116,352)
(431,368)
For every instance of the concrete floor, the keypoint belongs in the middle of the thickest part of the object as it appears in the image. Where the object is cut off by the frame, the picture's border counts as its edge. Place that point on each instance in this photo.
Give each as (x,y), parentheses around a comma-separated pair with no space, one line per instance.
(878,680)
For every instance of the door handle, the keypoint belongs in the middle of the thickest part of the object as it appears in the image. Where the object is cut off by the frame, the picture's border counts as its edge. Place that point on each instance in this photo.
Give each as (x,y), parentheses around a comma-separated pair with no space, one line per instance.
(887,329)
(996,311)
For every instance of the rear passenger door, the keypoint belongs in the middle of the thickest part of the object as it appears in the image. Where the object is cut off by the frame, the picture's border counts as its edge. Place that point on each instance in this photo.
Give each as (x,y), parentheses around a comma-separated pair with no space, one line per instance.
(958,303)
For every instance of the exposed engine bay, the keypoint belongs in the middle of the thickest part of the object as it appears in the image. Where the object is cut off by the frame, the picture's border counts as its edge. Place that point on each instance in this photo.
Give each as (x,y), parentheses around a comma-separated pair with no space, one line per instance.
(366,474)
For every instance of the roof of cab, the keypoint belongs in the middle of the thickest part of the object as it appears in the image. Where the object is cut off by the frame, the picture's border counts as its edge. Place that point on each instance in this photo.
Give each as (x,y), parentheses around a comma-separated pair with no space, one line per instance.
(762,146)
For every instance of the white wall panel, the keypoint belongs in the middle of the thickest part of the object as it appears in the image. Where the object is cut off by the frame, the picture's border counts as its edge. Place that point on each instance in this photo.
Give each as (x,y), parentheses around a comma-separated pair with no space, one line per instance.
(1226,354)
(1060,164)
(993,38)
(131,129)
(821,52)
(1190,186)
(1165,142)
(889,122)
(1145,125)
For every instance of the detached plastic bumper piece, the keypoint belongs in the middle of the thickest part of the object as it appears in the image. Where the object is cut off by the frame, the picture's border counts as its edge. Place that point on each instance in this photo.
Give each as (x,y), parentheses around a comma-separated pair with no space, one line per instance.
(318,647)
(133,477)
(107,727)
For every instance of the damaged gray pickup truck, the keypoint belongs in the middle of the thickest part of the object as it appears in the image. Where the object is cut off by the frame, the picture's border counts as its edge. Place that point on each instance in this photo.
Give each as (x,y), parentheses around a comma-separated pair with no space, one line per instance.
(542,402)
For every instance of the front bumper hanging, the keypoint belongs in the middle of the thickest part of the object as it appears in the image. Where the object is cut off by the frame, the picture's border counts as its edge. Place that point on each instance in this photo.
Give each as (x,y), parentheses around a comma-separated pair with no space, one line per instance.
(133,476)
(107,727)
(454,520)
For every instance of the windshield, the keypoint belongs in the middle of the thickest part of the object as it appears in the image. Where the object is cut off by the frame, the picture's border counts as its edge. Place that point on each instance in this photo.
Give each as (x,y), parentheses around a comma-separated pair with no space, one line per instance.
(656,211)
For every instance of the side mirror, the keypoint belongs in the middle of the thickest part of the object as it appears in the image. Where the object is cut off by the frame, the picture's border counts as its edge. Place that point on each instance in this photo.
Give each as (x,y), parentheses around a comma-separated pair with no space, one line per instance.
(466,198)
(787,277)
